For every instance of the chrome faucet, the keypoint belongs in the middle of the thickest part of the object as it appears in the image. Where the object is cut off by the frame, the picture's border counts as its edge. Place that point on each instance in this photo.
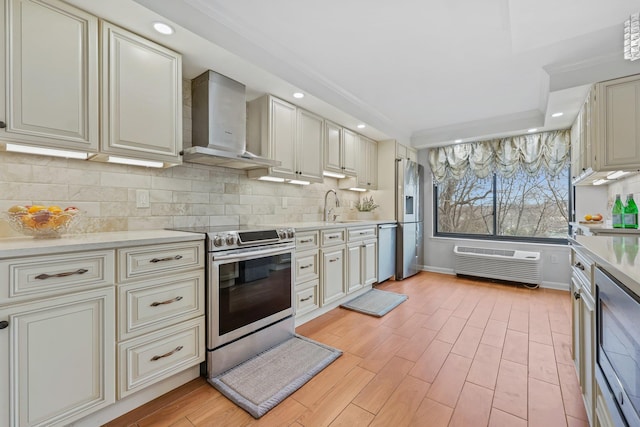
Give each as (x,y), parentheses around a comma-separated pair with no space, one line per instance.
(327,212)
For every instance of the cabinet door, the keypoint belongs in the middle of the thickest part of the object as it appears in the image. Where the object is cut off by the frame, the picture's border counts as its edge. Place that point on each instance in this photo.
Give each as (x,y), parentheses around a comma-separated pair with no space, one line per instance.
(587,353)
(369,262)
(576,140)
(575,316)
(368,164)
(309,146)
(57,359)
(141,97)
(332,278)
(355,280)
(349,152)
(332,147)
(282,136)
(619,123)
(51,76)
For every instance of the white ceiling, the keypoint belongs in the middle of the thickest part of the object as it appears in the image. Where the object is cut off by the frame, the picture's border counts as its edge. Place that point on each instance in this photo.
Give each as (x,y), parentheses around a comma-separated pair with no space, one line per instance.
(424,71)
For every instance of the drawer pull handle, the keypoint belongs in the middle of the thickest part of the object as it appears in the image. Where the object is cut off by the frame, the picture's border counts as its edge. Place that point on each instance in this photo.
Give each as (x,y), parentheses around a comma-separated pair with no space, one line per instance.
(4,324)
(576,295)
(44,276)
(169,301)
(306,241)
(306,266)
(169,258)
(334,259)
(306,299)
(579,265)
(177,349)
(334,236)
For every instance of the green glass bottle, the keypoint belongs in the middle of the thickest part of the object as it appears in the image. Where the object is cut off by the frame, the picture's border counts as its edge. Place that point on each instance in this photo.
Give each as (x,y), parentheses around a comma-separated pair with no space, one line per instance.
(630,213)
(616,213)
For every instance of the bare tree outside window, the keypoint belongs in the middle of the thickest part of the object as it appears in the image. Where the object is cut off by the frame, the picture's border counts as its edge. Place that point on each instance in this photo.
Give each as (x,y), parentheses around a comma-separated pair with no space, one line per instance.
(526,206)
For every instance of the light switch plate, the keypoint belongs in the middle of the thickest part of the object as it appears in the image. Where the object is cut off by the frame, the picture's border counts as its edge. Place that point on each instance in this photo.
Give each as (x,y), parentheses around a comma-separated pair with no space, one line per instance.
(142,199)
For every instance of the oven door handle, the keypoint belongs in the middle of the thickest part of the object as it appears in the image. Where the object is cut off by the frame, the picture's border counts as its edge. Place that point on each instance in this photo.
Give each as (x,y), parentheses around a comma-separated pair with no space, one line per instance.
(253,253)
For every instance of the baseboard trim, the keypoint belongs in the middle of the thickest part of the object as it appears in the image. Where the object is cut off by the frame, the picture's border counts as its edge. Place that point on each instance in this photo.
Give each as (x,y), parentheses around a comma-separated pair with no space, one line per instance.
(559,286)
(440,270)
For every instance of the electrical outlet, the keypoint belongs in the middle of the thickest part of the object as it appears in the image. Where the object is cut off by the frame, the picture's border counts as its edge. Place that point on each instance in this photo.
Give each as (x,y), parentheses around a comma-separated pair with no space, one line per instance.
(142,199)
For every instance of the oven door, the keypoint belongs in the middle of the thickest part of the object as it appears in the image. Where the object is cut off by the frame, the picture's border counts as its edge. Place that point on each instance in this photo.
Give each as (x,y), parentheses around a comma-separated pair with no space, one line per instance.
(617,321)
(248,289)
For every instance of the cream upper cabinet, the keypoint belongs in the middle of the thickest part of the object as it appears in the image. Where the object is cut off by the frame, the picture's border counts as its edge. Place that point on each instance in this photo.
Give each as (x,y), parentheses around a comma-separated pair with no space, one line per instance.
(49,75)
(141,97)
(309,146)
(339,149)
(57,359)
(281,131)
(618,103)
(367,163)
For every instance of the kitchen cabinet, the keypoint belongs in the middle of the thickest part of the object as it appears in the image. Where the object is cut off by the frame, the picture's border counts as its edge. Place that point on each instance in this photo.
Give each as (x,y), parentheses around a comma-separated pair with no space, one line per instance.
(603,417)
(49,91)
(281,131)
(57,349)
(362,251)
(583,313)
(340,148)
(141,97)
(606,133)
(307,272)
(367,173)
(160,312)
(332,265)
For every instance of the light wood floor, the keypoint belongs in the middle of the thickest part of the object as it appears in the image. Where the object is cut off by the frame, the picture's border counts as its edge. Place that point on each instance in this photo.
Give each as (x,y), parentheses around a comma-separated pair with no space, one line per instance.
(458,352)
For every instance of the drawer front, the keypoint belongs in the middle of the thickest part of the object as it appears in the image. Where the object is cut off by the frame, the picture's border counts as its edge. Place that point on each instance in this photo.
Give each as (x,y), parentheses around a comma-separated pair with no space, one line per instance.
(306,240)
(356,234)
(307,298)
(582,267)
(154,304)
(307,266)
(153,357)
(332,237)
(148,261)
(43,276)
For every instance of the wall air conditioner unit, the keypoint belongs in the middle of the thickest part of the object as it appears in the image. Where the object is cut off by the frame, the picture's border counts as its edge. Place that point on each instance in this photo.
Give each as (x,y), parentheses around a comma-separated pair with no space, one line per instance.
(510,265)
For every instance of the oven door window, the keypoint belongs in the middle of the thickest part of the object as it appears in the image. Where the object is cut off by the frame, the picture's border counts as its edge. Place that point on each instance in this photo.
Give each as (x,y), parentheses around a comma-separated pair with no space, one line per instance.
(619,339)
(252,290)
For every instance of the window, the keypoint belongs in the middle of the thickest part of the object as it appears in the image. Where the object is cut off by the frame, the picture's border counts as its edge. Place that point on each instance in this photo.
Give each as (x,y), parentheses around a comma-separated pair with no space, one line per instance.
(526,207)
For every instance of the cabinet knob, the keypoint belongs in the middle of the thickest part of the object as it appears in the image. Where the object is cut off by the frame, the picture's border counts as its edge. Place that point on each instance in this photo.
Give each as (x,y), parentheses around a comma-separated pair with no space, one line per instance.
(576,295)
(3,125)
(4,324)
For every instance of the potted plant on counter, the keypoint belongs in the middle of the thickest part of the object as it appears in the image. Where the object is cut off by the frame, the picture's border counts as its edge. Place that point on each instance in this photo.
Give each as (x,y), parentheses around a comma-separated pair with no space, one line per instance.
(365,208)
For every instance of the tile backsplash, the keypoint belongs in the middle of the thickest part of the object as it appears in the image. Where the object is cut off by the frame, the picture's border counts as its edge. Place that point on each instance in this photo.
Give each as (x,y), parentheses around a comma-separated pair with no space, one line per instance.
(185,195)
(623,187)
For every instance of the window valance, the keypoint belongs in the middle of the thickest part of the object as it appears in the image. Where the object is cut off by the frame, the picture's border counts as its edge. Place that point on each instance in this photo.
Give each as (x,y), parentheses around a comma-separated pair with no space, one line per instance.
(529,153)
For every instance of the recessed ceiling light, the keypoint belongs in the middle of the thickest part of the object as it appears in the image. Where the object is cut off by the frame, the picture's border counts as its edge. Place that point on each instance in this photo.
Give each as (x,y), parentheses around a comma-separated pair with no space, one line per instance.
(532,130)
(163,28)
(298,95)
(558,114)
(361,126)
(457,140)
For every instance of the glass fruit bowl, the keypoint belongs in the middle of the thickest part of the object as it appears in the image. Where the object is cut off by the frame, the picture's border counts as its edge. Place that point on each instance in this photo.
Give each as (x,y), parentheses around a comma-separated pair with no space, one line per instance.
(41,221)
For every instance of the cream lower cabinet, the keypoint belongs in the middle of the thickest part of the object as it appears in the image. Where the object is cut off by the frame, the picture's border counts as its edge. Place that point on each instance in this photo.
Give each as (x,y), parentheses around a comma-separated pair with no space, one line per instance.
(160,311)
(49,90)
(307,273)
(584,327)
(141,97)
(57,359)
(332,265)
(362,251)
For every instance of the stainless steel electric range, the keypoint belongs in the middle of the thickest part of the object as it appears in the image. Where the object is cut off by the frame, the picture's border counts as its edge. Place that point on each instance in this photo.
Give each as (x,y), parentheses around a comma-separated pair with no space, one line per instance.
(249,292)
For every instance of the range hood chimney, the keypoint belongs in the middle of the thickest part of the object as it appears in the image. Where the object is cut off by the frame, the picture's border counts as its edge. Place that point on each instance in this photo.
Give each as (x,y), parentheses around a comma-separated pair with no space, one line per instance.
(219,114)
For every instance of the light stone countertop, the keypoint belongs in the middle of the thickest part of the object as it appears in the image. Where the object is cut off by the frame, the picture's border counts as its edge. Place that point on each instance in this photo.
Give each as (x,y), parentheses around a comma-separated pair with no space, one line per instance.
(316,225)
(29,246)
(602,228)
(618,255)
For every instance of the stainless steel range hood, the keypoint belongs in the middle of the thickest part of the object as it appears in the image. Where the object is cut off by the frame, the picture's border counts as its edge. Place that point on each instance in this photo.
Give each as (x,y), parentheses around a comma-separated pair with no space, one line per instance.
(219,114)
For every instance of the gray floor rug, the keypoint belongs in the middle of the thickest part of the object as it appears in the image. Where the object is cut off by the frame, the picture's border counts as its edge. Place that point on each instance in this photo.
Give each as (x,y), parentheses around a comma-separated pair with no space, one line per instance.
(265,380)
(375,302)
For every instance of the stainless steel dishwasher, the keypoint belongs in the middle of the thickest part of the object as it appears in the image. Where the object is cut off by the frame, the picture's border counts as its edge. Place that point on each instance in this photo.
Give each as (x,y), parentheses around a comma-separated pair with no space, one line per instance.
(386,251)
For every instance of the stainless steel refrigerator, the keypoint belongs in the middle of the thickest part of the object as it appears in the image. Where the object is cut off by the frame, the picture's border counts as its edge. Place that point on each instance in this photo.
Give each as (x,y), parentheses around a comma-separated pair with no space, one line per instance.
(410,217)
